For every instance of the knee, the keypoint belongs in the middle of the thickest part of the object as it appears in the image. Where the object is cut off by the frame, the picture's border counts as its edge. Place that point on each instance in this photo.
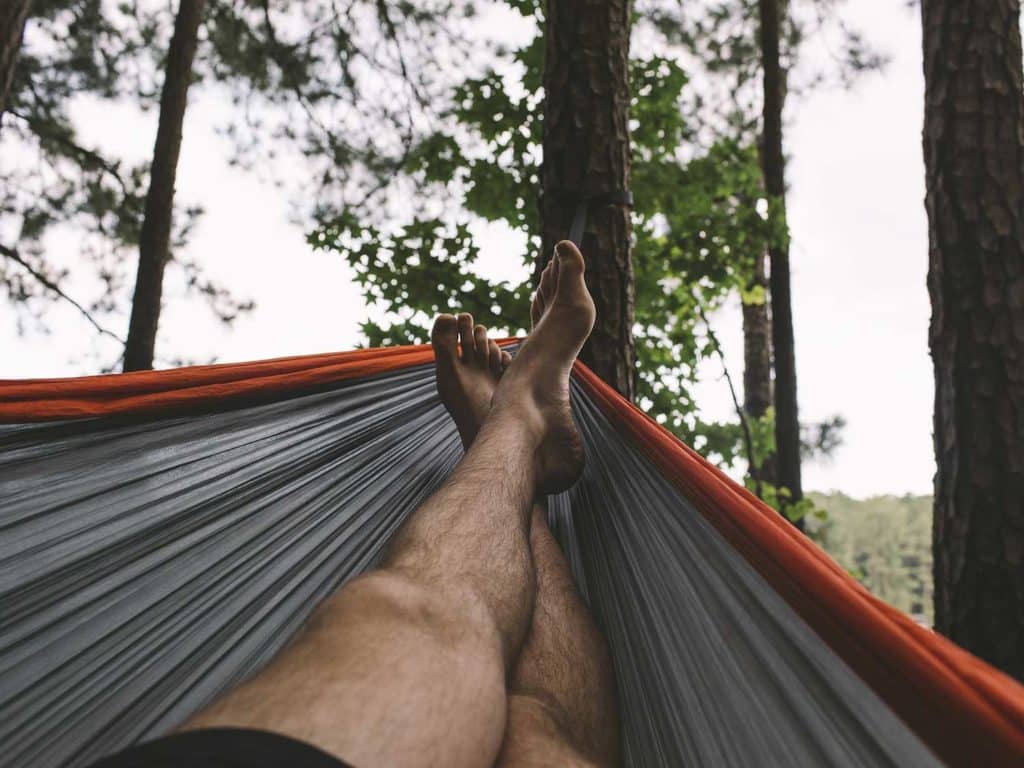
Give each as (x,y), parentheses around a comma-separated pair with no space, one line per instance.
(535,734)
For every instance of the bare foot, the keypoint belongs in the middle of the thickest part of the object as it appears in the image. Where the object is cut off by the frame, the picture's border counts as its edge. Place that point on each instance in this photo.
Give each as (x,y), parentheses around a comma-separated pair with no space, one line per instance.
(468,368)
(534,389)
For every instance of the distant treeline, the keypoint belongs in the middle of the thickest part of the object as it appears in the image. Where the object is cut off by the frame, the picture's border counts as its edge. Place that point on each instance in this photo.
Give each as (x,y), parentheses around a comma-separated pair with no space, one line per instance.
(885,542)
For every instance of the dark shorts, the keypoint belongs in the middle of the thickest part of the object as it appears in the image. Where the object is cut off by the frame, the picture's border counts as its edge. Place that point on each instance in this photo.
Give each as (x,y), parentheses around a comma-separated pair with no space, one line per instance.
(222,748)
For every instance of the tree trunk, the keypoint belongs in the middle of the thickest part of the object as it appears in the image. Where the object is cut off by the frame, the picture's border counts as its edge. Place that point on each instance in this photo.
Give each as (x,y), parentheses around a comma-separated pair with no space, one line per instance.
(154,240)
(787,420)
(13,15)
(757,363)
(974,159)
(586,154)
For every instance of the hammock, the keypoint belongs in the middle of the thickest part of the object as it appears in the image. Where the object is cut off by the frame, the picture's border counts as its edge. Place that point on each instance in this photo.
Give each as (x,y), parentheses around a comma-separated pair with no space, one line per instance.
(165,533)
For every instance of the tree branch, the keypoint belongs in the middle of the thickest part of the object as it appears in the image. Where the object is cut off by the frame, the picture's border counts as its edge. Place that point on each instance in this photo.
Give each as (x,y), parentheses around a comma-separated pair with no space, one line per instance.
(90,156)
(748,440)
(277,49)
(51,286)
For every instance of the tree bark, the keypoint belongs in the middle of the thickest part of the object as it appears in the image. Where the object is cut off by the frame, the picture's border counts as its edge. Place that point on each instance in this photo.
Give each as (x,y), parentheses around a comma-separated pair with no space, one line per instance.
(787,419)
(586,153)
(13,15)
(154,240)
(757,364)
(974,161)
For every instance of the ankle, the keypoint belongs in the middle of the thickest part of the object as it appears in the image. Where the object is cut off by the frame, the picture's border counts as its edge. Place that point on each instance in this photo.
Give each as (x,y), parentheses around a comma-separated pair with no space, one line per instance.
(517,416)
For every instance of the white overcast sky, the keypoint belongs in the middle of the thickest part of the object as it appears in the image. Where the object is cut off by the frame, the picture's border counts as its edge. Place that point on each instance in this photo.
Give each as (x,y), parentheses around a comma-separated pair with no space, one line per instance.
(859,261)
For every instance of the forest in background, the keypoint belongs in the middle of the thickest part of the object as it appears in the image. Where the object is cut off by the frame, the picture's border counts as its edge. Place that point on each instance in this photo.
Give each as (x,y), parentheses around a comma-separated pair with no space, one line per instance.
(885,542)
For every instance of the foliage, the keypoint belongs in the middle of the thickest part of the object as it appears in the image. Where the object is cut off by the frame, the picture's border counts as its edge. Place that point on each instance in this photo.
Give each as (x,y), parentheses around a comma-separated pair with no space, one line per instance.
(336,86)
(696,225)
(78,49)
(697,235)
(422,269)
(399,161)
(884,542)
(718,40)
(700,218)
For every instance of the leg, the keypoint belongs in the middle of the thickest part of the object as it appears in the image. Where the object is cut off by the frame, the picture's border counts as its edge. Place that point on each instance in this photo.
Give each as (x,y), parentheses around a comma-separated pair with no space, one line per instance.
(561,706)
(407,665)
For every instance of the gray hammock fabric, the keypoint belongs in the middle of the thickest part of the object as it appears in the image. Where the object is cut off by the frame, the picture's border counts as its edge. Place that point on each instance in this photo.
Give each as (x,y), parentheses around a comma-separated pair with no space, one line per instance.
(147,566)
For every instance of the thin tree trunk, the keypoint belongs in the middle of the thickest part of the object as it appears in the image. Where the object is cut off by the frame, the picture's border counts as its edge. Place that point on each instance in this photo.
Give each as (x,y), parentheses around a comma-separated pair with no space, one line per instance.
(154,240)
(974,159)
(787,420)
(13,15)
(586,153)
(757,364)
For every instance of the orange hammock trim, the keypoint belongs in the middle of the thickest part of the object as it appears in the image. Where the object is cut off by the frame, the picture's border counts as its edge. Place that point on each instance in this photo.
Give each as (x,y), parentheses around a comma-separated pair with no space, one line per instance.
(195,388)
(968,712)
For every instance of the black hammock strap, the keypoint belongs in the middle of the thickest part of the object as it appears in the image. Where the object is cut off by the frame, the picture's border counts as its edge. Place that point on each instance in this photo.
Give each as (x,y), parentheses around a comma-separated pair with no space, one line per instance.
(622,197)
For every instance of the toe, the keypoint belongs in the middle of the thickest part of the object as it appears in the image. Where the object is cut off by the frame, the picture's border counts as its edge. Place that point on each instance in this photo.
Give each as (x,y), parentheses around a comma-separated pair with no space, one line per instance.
(444,337)
(466,343)
(494,357)
(543,294)
(571,288)
(480,343)
(547,282)
(506,359)
(568,259)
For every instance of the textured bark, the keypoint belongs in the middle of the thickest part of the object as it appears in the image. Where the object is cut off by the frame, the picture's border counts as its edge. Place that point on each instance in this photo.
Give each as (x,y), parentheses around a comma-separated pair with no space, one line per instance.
(757,364)
(154,240)
(974,159)
(586,153)
(787,419)
(13,15)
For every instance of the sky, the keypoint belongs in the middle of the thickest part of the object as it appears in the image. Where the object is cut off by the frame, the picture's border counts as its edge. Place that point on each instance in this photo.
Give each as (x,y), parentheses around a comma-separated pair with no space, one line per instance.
(859,260)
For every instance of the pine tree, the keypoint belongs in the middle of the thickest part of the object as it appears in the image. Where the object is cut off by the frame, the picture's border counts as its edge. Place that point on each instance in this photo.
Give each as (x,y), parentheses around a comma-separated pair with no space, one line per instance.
(758,395)
(724,51)
(155,237)
(787,421)
(13,15)
(87,50)
(587,155)
(974,159)
(298,75)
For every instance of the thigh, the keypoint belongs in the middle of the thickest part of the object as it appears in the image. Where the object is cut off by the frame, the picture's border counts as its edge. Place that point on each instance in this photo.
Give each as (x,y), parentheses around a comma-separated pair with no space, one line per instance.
(386,674)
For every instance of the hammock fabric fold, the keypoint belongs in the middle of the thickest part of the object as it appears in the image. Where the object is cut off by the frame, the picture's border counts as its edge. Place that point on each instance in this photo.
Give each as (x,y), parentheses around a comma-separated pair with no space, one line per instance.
(164,533)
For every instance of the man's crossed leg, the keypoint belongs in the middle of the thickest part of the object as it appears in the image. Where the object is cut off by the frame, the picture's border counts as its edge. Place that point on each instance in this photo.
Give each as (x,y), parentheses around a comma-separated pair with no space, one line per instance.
(469,645)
